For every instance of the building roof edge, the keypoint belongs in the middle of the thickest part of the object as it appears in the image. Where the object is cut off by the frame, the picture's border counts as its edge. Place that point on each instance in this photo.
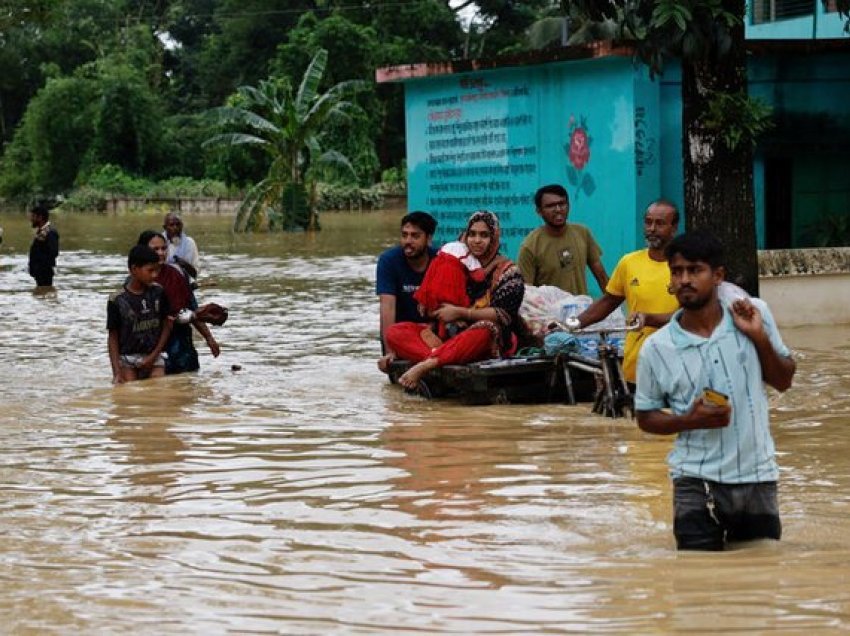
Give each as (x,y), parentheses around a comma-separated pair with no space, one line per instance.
(403,72)
(594,50)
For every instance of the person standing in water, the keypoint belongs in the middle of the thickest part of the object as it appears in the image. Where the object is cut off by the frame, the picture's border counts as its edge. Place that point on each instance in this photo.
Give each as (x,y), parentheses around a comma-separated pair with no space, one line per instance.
(641,279)
(701,377)
(138,320)
(182,355)
(45,246)
(182,249)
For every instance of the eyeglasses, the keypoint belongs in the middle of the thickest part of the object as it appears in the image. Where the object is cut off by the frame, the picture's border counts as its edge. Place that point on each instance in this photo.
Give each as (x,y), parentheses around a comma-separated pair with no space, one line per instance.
(557,205)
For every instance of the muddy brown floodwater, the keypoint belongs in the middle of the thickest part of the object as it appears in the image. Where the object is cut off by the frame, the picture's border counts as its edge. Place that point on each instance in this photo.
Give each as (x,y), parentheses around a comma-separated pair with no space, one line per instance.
(302,494)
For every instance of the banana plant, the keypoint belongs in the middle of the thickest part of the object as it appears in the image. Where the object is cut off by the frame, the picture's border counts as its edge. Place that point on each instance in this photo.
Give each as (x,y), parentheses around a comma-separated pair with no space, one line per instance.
(288,127)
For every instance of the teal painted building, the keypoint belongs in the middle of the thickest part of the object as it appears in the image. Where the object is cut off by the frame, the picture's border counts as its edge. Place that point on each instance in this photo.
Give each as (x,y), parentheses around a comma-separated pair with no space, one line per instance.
(801,168)
(793,20)
(488,134)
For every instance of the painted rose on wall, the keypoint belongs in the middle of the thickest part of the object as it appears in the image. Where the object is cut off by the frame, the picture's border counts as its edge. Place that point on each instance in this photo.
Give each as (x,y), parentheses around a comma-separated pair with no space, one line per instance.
(578,153)
(579,148)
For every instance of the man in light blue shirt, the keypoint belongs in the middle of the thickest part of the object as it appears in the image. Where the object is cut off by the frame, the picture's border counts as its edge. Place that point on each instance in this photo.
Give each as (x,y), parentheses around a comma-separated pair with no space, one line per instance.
(708,366)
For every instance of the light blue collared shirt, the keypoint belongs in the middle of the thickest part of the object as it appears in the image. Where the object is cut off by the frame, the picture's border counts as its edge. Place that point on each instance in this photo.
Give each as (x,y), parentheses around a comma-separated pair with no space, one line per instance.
(673,369)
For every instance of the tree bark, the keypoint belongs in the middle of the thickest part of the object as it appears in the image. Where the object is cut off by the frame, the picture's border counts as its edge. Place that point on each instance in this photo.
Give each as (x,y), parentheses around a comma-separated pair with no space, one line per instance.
(719,180)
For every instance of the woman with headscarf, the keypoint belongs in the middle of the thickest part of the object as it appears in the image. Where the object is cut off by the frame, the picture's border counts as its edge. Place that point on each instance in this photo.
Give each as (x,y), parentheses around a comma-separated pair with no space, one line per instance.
(493,316)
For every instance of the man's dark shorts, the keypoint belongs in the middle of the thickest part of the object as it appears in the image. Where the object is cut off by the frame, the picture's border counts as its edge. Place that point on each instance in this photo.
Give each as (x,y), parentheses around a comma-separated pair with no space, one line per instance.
(708,514)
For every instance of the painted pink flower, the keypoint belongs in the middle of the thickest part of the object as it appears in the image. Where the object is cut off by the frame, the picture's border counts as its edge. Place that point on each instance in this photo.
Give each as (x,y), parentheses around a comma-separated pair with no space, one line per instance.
(579,148)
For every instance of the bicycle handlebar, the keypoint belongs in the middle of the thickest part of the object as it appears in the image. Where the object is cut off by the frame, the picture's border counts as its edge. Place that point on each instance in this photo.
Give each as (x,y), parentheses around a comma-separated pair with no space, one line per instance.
(592,330)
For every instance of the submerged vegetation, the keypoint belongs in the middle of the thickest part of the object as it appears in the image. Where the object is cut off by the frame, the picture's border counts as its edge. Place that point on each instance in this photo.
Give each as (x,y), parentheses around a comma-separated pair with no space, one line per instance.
(287,126)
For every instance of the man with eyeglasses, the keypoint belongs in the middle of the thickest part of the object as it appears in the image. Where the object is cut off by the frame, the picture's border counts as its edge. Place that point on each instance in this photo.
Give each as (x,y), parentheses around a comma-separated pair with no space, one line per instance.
(558,252)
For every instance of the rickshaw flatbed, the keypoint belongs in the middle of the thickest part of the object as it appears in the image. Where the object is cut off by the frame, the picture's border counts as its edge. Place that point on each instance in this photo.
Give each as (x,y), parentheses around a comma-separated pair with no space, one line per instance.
(520,380)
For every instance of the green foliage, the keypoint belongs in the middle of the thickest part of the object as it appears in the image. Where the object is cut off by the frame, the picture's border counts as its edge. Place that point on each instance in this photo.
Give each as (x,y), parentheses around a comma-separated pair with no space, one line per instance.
(188,187)
(241,40)
(551,24)
(293,210)
(143,72)
(354,46)
(353,138)
(85,199)
(111,181)
(43,39)
(737,118)
(346,197)
(416,31)
(180,151)
(127,121)
(16,12)
(104,113)
(500,24)
(395,176)
(288,126)
(689,29)
(115,181)
(16,179)
(48,147)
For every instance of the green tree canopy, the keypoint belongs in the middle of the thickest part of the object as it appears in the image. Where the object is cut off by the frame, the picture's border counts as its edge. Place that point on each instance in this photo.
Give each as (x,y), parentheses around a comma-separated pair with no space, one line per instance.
(158,65)
(52,140)
(106,112)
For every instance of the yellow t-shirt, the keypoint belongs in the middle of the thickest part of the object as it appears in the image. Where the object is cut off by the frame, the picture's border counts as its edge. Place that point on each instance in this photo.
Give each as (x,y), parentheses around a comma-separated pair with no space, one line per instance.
(643,283)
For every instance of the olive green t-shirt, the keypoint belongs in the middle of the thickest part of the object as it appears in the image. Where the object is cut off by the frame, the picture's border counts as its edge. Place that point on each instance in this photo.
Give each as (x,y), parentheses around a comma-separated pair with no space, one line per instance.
(558,260)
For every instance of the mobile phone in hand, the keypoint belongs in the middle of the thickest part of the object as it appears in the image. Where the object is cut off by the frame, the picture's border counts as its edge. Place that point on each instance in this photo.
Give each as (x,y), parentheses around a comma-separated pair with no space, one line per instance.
(715,398)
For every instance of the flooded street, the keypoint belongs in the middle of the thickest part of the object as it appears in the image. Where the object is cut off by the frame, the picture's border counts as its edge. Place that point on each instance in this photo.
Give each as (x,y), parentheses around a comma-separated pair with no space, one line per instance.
(300,493)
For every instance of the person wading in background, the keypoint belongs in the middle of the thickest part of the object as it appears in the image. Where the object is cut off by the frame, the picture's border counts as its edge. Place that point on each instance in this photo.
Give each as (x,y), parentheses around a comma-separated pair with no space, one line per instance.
(182,249)
(45,246)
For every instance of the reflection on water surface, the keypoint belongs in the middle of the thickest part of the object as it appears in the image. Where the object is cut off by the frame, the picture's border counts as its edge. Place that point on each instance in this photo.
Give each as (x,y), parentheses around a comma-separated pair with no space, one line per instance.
(302,494)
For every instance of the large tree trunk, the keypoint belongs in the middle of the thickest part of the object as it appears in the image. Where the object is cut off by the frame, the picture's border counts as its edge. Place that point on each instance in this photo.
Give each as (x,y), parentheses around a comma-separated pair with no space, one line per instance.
(718,180)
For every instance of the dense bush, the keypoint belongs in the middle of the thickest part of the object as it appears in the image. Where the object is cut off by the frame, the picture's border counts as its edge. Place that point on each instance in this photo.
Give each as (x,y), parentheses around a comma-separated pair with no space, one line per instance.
(85,199)
(342,197)
(186,187)
(110,181)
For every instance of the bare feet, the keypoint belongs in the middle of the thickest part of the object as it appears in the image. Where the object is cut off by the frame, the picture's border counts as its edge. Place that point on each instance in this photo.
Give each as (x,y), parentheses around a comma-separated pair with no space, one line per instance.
(410,378)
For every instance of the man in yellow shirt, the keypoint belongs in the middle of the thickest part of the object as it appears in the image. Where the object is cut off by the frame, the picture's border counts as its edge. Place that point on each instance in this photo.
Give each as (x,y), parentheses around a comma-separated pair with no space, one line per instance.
(641,279)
